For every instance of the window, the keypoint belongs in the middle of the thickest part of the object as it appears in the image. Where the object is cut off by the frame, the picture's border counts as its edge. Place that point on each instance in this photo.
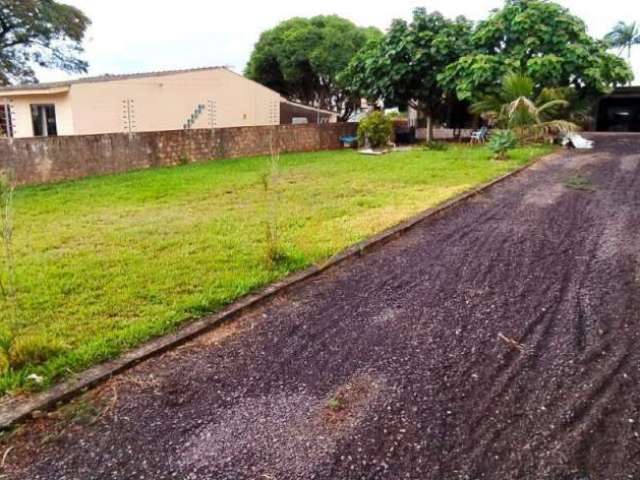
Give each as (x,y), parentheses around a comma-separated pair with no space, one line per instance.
(44,120)
(6,127)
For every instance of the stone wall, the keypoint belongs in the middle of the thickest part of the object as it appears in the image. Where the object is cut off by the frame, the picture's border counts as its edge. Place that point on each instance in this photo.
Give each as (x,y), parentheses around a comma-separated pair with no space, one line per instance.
(43,160)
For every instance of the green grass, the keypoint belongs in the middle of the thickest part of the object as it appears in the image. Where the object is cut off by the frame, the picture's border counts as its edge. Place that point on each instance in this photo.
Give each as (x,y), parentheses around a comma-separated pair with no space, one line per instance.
(103,264)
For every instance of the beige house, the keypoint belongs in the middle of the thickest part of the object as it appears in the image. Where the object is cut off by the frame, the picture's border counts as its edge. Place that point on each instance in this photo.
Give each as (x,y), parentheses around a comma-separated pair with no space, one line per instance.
(199,98)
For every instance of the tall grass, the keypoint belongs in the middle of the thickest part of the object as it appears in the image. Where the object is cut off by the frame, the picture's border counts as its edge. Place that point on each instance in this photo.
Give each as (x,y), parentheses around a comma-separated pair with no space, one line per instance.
(274,251)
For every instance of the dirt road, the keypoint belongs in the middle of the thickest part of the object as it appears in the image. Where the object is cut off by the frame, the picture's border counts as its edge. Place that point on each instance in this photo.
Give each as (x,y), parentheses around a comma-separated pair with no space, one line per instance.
(391,366)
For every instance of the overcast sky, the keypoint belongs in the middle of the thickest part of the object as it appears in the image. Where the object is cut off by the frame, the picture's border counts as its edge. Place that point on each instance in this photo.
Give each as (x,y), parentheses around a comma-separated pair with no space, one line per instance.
(143,35)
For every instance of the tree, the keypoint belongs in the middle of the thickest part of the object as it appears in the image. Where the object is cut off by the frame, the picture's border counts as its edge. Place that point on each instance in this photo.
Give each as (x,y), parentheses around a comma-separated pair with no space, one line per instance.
(624,36)
(530,111)
(39,32)
(541,40)
(301,58)
(402,67)
(375,130)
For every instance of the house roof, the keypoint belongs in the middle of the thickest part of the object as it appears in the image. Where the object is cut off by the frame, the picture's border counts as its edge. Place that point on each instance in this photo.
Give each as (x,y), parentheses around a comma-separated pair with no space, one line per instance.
(306,107)
(63,86)
(98,79)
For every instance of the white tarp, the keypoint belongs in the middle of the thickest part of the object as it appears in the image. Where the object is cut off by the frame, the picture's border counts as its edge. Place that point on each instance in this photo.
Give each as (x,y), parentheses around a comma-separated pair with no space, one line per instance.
(577,141)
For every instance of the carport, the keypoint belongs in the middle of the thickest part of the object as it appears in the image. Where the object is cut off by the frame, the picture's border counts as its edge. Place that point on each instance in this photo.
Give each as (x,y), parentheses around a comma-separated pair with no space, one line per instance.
(620,111)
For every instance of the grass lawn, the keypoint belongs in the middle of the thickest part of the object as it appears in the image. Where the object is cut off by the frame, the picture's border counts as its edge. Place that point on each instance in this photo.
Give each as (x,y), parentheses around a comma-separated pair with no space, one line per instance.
(105,263)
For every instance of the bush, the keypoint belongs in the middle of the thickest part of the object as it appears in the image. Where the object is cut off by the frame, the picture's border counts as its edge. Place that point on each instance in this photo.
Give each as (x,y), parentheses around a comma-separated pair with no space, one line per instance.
(33,349)
(376,129)
(501,142)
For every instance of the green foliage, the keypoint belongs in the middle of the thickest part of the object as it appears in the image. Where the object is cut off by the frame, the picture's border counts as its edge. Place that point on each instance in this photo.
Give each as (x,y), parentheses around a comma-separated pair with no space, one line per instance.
(335,404)
(275,254)
(543,41)
(45,33)
(4,362)
(375,129)
(396,115)
(5,343)
(516,106)
(624,36)
(501,142)
(301,58)
(5,338)
(33,349)
(402,67)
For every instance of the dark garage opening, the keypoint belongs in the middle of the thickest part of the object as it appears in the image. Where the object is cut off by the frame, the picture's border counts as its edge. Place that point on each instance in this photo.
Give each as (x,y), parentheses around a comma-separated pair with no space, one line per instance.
(620,111)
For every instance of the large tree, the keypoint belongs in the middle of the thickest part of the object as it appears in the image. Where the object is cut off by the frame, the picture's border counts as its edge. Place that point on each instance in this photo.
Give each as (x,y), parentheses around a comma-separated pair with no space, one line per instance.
(402,68)
(301,58)
(539,39)
(40,33)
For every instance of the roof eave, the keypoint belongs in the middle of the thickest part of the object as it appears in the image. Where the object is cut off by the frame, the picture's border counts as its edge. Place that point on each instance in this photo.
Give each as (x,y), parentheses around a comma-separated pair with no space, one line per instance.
(306,107)
(34,91)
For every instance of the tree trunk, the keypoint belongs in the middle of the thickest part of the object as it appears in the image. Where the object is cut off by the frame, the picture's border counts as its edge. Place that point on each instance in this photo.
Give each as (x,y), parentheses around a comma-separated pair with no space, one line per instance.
(429,127)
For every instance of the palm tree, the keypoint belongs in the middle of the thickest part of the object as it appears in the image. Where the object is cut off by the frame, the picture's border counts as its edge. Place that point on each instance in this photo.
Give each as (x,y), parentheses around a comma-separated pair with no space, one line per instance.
(516,106)
(624,36)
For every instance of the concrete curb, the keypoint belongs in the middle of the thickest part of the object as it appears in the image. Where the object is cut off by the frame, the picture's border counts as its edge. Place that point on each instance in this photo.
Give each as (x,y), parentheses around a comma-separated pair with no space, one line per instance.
(19,409)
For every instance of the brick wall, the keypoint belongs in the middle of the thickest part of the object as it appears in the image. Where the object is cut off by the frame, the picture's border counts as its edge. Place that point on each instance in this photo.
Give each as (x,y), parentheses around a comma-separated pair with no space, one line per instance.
(42,160)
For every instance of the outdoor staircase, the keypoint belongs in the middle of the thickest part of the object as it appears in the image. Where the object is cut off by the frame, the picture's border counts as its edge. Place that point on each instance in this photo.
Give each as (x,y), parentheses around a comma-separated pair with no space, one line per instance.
(194,117)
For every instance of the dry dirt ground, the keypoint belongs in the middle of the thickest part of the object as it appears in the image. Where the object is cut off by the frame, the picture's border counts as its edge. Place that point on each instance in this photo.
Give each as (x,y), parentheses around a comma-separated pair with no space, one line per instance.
(497,342)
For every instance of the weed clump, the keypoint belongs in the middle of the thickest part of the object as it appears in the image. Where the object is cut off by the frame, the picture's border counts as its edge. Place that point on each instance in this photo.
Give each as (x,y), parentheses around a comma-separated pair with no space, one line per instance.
(335,404)
(580,183)
(436,146)
(274,252)
(4,362)
(34,350)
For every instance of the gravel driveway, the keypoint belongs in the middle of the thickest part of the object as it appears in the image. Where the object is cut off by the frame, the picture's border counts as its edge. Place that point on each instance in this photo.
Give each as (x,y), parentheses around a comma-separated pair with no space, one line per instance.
(392,366)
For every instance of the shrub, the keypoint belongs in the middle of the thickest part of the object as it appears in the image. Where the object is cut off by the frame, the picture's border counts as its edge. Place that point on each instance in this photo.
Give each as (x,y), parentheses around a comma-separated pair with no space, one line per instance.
(375,129)
(501,142)
(33,349)
(531,117)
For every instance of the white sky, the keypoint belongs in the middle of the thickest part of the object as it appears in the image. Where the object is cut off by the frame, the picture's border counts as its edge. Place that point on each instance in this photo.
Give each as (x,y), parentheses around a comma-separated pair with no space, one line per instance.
(143,35)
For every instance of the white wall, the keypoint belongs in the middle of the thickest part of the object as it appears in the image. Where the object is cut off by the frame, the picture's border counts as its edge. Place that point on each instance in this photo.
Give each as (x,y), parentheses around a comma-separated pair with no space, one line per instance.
(21,112)
(166,102)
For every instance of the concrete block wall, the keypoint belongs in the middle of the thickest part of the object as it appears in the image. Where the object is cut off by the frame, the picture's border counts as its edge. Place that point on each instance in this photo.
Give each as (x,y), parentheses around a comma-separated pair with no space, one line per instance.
(53,159)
